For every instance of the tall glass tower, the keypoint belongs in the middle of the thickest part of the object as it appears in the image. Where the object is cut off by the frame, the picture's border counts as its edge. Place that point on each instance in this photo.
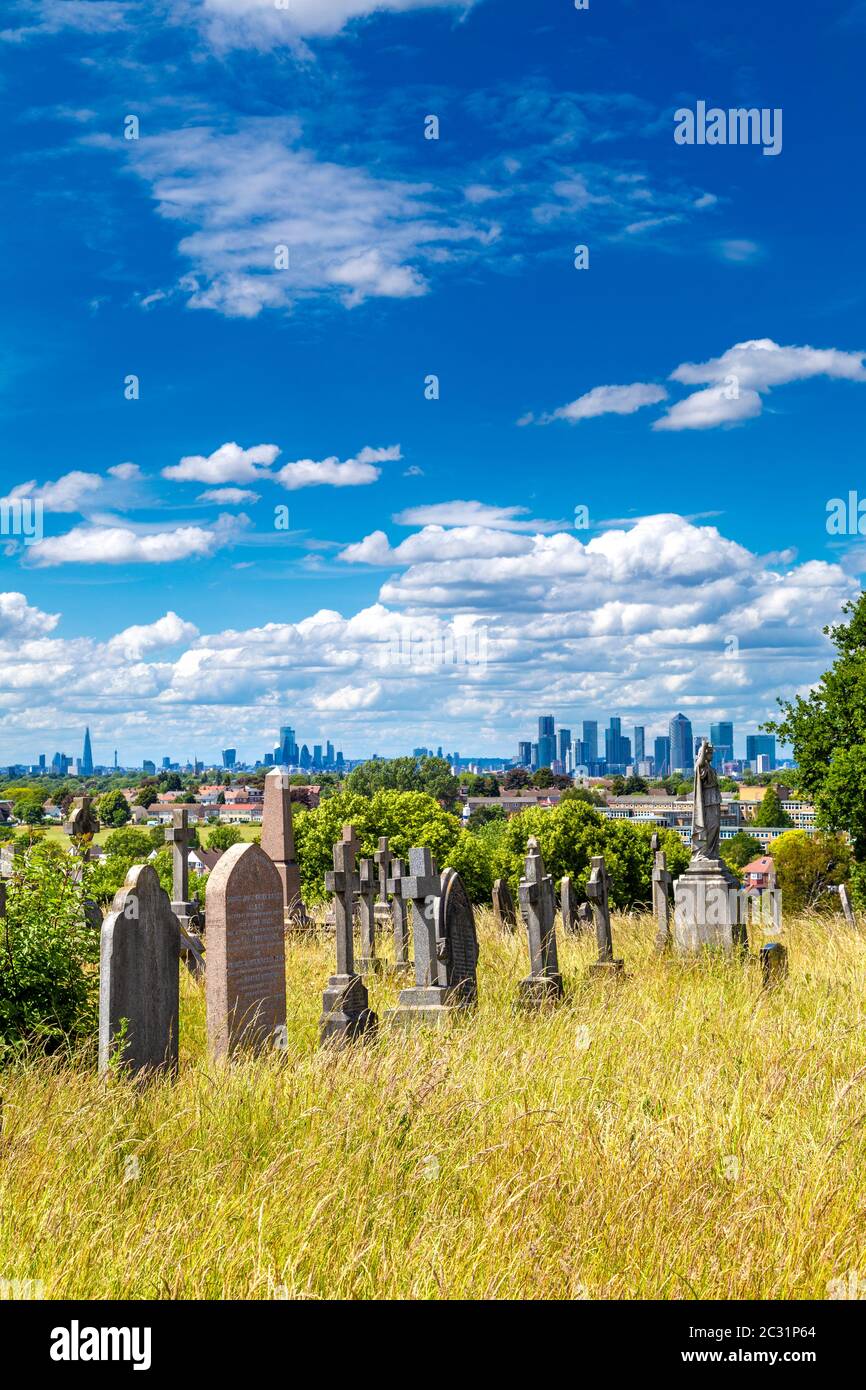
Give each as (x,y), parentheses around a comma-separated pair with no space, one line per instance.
(682,744)
(87,756)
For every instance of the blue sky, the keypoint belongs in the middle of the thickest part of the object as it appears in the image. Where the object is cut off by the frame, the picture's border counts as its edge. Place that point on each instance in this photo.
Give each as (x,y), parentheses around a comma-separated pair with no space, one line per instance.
(723,301)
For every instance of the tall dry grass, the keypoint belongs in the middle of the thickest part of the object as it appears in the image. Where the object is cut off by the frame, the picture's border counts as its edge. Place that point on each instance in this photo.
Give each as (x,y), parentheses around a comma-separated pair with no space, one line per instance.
(680,1134)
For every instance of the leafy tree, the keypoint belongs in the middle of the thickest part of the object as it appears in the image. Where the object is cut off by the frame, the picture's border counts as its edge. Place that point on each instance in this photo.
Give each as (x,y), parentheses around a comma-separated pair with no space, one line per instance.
(48,981)
(586,794)
(740,850)
(130,843)
(223,837)
(170,782)
(542,778)
(635,786)
(146,796)
(482,814)
(808,866)
(516,778)
(470,856)
(113,809)
(827,731)
(770,813)
(29,810)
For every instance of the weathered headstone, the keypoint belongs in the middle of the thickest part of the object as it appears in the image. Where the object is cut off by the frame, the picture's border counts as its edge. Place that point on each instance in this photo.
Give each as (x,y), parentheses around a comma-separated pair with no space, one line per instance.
(662,880)
(346,1011)
(538,908)
(383,859)
(597,891)
(246,958)
(584,918)
(707,902)
(456,937)
(138,978)
(278,843)
(179,836)
(847,908)
(432,999)
(82,823)
(399,917)
(504,912)
(568,905)
(774,964)
(369,963)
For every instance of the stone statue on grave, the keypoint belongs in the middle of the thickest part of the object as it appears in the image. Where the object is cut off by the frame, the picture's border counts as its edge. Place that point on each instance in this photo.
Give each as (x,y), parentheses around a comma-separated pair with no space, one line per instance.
(707,811)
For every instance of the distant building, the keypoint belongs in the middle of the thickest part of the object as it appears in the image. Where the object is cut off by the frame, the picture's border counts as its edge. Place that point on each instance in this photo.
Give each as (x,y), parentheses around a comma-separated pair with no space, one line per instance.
(722,739)
(639,743)
(148,768)
(682,757)
(759,874)
(87,756)
(563,745)
(757,744)
(524,754)
(229,757)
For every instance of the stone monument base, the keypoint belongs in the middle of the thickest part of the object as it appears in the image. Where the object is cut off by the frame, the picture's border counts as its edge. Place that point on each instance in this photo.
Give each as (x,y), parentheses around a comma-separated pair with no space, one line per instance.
(433,1005)
(537,990)
(346,1012)
(607,969)
(707,909)
(382,914)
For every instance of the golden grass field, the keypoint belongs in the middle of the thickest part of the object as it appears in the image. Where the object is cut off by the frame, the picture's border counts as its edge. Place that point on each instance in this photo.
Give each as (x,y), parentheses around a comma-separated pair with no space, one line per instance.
(679,1135)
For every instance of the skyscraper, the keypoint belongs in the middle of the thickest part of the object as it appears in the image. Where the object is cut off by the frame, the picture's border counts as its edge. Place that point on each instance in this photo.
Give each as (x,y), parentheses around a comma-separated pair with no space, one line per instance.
(682,749)
(229,757)
(662,756)
(546,727)
(722,739)
(563,743)
(639,743)
(590,740)
(524,754)
(617,749)
(87,756)
(757,744)
(288,749)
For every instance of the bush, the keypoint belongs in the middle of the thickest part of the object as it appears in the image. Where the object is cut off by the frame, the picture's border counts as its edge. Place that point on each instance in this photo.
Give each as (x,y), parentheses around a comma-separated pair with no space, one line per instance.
(223,837)
(49,982)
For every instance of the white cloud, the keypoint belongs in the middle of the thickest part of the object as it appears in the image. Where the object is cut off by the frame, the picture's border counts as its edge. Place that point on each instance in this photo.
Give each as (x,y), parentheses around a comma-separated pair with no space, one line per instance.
(606,400)
(247,192)
(18,619)
(125,471)
(168,631)
(354,472)
(229,496)
(261,24)
(473,514)
(227,464)
(122,545)
(715,405)
(435,543)
(65,495)
(738,250)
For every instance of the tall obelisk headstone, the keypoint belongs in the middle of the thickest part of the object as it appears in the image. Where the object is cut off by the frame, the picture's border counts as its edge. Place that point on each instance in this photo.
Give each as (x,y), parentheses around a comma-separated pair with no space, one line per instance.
(138,978)
(278,842)
(346,1011)
(246,957)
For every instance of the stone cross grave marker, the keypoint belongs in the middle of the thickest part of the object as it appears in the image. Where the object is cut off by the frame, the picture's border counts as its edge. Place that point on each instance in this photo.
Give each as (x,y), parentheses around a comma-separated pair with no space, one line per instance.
(278,842)
(383,859)
(662,881)
(845,900)
(179,836)
(246,956)
(346,1011)
(430,1000)
(399,917)
(538,908)
(568,905)
(504,913)
(83,823)
(139,978)
(369,963)
(597,891)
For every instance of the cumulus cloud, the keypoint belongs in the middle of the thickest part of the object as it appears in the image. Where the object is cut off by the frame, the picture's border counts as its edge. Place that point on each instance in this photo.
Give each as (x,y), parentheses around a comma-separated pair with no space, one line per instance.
(168,631)
(715,405)
(125,471)
(228,464)
(606,400)
(19,619)
(473,514)
(261,24)
(126,545)
(229,496)
(330,472)
(67,494)
(435,543)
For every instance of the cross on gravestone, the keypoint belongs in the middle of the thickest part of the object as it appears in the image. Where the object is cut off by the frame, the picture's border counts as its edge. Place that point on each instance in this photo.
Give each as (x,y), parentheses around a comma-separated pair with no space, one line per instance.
(568,905)
(179,836)
(399,917)
(538,908)
(278,843)
(245,982)
(346,1011)
(430,1000)
(598,891)
(138,978)
(384,859)
(82,823)
(504,913)
(367,911)
(662,881)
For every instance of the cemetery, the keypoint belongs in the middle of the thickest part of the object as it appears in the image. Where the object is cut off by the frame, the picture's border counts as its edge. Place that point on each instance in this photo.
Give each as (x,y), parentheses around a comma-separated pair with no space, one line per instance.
(396,1091)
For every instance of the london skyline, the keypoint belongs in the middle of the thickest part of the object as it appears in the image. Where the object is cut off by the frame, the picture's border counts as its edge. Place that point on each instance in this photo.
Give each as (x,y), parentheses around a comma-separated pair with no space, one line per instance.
(305,371)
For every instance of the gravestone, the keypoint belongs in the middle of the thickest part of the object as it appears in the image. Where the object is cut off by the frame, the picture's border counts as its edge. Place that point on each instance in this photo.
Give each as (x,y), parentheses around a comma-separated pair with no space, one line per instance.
(538,908)
(568,905)
(383,859)
(399,917)
(598,891)
(584,918)
(707,903)
(346,1012)
(662,880)
(774,964)
(456,937)
(82,823)
(278,843)
(845,900)
(138,978)
(9,853)
(432,999)
(504,913)
(368,963)
(245,983)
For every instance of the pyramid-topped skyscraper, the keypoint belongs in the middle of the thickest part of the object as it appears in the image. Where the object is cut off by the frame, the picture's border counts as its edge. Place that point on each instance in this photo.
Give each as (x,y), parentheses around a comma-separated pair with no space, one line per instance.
(87,756)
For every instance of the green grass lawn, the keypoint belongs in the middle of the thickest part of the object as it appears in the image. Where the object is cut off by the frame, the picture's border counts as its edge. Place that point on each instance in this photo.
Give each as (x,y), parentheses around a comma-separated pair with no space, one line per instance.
(678,1135)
